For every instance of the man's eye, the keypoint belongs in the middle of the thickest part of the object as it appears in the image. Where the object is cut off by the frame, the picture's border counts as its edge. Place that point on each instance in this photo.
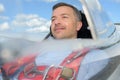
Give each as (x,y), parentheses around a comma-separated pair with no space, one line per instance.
(53,19)
(65,17)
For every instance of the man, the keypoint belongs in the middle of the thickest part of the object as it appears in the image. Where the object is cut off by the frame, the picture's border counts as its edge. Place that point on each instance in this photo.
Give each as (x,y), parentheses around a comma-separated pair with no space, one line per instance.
(66,22)
(72,22)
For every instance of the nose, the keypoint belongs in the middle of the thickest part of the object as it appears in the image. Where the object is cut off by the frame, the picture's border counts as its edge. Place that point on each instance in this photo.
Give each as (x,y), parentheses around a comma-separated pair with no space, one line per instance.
(57,21)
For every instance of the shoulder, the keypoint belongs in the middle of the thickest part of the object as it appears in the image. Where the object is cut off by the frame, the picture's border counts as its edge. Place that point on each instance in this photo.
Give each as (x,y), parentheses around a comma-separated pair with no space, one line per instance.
(94,62)
(95,55)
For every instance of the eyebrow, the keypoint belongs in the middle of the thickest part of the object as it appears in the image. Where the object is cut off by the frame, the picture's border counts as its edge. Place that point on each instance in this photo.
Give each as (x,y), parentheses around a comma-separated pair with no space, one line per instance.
(61,14)
(52,17)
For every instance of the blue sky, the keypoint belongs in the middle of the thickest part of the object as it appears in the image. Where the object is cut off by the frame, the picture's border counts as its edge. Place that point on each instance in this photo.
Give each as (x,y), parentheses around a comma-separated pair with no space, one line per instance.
(32,17)
(113,9)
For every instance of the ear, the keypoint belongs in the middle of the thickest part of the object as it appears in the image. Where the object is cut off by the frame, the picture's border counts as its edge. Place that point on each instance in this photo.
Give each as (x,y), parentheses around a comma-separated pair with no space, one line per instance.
(79,25)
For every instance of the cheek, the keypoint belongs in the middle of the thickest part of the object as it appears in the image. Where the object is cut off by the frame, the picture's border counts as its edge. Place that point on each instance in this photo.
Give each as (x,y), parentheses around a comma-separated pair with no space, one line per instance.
(51,30)
(52,27)
(72,26)
(68,24)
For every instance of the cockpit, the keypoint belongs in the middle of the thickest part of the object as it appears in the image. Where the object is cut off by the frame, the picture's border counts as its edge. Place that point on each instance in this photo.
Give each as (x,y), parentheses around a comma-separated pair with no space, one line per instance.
(28,24)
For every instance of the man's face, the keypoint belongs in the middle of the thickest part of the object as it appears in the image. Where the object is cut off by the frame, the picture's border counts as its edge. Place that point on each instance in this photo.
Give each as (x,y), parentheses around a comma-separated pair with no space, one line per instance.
(64,23)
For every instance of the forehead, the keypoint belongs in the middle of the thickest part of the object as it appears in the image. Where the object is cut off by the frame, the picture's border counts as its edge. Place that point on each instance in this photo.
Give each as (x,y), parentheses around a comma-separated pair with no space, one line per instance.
(63,9)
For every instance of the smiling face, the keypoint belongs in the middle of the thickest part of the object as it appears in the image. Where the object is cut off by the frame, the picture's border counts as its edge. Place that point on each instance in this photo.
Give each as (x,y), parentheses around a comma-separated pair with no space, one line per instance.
(64,23)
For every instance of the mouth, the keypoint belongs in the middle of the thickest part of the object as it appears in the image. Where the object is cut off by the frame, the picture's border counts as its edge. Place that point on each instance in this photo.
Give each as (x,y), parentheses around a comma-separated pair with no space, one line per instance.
(58,29)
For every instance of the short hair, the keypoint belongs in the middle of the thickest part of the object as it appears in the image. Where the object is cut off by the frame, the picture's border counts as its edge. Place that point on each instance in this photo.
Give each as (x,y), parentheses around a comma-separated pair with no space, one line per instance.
(76,11)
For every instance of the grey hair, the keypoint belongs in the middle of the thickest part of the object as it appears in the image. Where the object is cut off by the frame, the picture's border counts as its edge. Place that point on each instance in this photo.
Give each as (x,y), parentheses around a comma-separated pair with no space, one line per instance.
(76,11)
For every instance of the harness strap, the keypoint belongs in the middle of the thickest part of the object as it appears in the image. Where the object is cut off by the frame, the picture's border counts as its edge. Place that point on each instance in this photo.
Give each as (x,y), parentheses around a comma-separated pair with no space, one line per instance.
(67,70)
(12,67)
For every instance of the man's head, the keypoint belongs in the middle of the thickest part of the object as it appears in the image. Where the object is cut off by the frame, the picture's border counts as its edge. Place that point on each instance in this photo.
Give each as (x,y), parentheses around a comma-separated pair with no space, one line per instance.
(66,21)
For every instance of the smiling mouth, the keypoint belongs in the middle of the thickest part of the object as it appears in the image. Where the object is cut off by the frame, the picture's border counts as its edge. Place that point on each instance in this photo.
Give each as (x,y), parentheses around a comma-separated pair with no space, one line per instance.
(59,29)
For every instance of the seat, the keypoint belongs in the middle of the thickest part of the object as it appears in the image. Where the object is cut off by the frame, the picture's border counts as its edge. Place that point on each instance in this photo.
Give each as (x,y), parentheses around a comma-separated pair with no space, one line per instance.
(84,32)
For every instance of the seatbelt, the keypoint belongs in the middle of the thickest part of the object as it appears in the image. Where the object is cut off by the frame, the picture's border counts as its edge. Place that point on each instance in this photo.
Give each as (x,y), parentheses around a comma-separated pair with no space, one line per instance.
(74,60)
(67,70)
(12,67)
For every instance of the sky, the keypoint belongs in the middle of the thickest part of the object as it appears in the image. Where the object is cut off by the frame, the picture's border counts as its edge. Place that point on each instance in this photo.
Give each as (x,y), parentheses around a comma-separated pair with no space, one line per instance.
(31,18)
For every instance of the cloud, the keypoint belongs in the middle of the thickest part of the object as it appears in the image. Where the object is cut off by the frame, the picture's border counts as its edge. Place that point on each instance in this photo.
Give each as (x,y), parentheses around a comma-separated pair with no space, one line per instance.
(38,29)
(4,18)
(32,23)
(4,26)
(1,8)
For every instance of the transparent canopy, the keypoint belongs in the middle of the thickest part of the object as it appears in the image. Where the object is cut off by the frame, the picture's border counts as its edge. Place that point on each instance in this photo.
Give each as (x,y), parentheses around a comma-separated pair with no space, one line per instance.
(25,23)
